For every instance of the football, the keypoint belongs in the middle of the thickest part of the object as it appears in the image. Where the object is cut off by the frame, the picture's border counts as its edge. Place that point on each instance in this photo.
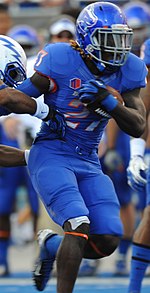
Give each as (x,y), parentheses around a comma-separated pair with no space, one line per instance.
(115,93)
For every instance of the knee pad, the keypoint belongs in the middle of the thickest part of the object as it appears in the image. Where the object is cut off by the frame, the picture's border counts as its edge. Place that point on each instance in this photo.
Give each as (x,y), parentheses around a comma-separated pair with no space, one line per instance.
(76,222)
(78,227)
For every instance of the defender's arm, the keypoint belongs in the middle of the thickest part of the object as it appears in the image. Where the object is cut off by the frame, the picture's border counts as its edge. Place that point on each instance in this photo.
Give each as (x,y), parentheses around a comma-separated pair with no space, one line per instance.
(11,157)
(19,100)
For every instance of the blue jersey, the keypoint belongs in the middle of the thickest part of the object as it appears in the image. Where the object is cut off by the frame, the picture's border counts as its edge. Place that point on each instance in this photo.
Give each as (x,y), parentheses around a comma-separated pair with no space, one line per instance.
(67,174)
(66,67)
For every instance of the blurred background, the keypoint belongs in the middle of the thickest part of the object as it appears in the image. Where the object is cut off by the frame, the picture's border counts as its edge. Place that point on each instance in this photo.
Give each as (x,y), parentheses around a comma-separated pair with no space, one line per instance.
(33,23)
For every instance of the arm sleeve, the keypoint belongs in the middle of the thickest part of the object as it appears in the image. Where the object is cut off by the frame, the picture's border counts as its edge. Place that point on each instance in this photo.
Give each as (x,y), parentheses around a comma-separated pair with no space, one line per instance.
(29,89)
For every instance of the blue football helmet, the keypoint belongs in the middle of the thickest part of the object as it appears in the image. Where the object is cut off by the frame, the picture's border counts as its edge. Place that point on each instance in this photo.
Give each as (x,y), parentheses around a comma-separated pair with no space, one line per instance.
(27,37)
(103,33)
(12,62)
(138,18)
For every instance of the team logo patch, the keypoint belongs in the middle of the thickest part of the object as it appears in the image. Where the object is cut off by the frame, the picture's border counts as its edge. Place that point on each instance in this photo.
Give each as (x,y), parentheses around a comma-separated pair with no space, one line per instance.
(75,83)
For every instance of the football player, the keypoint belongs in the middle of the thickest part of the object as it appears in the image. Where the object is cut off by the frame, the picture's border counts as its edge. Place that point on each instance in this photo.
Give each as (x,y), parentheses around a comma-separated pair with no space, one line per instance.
(12,72)
(139,180)
(65,170)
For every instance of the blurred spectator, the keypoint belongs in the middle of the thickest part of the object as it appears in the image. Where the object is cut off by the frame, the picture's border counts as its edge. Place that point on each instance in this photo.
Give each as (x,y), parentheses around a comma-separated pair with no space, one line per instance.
(82,3)
(62,29)
(138,18)
(39,3)
(53,3)
(6,20)
(27,37)
(29,3)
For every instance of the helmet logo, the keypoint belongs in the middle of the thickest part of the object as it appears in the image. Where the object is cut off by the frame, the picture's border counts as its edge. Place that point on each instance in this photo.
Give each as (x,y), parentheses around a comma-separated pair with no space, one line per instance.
(89,19)
(11,46)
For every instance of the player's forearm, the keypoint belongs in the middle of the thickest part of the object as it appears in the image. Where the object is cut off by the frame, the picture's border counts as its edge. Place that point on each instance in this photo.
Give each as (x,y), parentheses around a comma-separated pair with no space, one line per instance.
(20,103)
(132,121)
(11,157)
(17,102)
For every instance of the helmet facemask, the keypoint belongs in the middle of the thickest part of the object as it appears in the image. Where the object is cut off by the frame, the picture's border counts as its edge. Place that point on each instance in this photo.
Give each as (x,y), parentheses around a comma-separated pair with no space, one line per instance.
(14,74)
(110,45)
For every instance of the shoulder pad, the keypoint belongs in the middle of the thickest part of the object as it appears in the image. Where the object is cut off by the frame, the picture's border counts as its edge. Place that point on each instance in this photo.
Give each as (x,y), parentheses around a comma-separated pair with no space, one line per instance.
(63,58)
(134,71)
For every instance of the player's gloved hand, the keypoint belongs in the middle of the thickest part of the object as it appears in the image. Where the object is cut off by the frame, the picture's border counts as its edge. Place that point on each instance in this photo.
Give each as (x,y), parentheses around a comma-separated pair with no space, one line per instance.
(94,95)
(57,122)
(90,89)
(113,161)
(136,173)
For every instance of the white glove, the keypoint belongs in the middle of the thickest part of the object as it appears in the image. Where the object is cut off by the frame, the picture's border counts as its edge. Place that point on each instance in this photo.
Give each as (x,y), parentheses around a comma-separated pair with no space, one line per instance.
(136,173)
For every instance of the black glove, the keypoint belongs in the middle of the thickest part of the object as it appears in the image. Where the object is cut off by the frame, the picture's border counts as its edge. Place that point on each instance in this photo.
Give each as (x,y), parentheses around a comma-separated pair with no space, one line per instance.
(96,97)
(56,122)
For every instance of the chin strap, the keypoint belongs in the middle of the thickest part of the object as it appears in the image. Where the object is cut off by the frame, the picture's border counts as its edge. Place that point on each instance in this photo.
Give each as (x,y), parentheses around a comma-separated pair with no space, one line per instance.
(101,66)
